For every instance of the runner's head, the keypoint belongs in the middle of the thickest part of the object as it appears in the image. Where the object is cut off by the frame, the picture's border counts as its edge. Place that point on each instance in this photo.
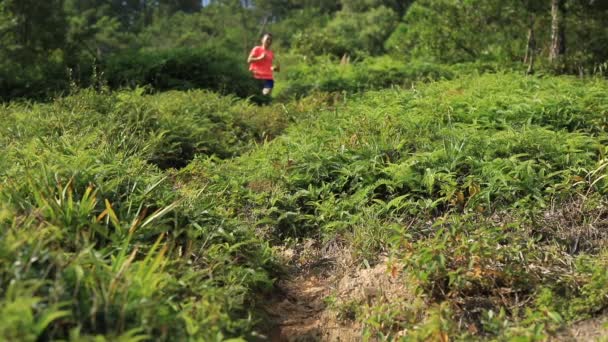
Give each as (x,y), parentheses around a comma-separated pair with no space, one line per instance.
(267,40)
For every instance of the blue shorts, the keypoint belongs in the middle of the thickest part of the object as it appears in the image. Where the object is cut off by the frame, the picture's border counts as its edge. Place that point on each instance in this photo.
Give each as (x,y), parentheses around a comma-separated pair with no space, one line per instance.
(267,84)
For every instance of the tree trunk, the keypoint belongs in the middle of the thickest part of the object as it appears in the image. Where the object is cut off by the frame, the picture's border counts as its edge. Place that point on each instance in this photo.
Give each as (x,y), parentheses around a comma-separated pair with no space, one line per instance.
(558,43)
(531,48)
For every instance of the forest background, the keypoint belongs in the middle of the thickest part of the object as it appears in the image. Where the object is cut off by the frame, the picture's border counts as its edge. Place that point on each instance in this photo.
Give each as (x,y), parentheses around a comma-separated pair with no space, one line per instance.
(179,44)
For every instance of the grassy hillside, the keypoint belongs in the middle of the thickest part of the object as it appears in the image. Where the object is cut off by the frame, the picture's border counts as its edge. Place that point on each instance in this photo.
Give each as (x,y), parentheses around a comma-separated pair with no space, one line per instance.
(96,238)
(138,215)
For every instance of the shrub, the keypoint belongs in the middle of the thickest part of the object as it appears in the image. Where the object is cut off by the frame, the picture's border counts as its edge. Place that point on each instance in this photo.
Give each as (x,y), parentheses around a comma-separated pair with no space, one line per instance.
(369,74)
(206,68)
(39,81)
(97,241)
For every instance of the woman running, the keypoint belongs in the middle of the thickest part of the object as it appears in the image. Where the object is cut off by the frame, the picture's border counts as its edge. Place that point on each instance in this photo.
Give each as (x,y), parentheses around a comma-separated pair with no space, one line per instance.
(261,65)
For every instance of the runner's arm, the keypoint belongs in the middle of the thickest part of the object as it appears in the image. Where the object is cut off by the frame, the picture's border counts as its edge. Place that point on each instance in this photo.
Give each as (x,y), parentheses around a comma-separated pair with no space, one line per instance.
(251,58)
(276,67)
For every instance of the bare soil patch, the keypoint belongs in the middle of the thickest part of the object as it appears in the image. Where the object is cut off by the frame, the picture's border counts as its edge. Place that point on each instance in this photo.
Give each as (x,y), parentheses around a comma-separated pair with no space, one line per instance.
(594,329)
(300,309)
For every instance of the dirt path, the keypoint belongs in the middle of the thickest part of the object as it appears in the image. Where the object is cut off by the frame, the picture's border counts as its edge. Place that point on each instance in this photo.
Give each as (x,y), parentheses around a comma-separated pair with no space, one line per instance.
(301,313)
(300,310)
(594,329)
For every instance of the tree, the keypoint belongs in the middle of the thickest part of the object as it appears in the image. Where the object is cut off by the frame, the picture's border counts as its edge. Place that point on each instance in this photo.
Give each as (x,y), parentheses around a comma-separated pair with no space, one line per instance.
(558,36)
(187,6)
(34,27)
(458,31)
(350,32)
(96,28)
(530,55)
(399,6)
(586,33)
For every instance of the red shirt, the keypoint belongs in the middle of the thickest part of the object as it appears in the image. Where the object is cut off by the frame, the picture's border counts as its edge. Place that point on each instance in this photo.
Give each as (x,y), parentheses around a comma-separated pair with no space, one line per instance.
(262,69)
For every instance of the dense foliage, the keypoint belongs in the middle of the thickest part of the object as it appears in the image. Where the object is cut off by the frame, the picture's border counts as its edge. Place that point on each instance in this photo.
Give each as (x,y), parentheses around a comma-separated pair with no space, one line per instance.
(209,68)
(483,187)
(95,237)
(69,41)
(145,196)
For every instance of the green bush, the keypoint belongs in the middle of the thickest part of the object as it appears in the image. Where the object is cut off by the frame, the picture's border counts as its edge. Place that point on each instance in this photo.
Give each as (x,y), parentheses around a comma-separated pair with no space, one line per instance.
(96,240)
(210,68)
(39,81)
(168,129)
(369,74)
(357,33)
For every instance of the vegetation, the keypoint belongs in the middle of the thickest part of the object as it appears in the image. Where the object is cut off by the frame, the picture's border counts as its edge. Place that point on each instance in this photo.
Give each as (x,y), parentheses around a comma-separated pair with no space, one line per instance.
(144,195)
(95,238)
(486,188)
(183,44)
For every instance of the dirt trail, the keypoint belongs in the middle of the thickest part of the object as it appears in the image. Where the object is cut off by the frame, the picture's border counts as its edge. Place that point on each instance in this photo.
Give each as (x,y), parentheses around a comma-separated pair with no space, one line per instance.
(301,313)
(594,329)
(299,308)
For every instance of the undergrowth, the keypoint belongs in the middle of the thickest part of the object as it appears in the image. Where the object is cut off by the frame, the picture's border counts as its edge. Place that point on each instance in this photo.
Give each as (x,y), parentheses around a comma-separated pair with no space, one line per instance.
(141,216)
(490,190)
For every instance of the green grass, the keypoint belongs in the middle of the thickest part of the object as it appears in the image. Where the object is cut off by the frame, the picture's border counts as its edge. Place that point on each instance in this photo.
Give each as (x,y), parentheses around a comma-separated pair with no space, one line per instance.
(132,216)
(456,180)
(96,240)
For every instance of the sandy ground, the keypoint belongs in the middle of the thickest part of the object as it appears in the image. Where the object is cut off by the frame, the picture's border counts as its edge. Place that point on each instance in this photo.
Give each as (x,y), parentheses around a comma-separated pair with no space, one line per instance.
(300,308)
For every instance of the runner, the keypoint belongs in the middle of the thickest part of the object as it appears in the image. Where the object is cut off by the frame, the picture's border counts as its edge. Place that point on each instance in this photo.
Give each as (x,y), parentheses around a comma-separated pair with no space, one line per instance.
(261,64)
